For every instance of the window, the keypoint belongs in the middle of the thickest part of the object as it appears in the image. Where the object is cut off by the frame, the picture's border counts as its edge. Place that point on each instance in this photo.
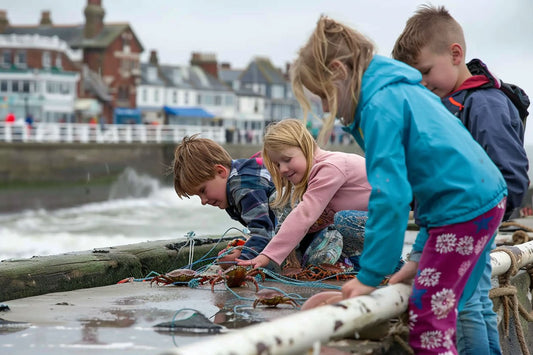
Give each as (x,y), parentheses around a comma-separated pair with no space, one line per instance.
(123,92)
(186,99)
(59,63)
(6,58)
(64,88)
(4,86)
(277,92)
(26,86)
(144,94)
(156,95)
(20,59)
(174,96)
(218,100)
(46,60)
(228,100)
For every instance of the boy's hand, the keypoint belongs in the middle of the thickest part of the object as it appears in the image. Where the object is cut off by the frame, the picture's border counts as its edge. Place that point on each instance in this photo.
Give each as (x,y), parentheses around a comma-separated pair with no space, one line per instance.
(354,288)
(228,260)
(257,262)
(406,274)
(322,299)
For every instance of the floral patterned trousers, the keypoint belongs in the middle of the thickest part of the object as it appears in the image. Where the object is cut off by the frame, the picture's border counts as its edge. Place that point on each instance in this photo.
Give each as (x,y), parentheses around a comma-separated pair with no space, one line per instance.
(446,264)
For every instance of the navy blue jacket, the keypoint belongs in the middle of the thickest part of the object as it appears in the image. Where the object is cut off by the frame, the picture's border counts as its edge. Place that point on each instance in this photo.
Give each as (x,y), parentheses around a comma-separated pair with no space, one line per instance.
(495,124)
(249,189)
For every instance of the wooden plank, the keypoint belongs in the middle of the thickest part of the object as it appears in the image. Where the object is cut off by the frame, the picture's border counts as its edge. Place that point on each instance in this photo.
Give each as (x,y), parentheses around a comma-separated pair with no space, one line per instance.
(65,272)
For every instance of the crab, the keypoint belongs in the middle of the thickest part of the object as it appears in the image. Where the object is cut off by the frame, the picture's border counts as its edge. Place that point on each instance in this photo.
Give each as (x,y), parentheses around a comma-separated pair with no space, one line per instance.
(271,298)
(235,276)
(317,272)
(179,275)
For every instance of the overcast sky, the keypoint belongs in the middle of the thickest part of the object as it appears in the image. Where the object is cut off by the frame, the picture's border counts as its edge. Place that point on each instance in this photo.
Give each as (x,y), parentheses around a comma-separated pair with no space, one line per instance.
(500,32)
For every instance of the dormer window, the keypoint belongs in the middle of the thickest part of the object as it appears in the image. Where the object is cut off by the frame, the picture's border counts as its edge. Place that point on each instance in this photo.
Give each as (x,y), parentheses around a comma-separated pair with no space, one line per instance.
(152,74)
(46,60)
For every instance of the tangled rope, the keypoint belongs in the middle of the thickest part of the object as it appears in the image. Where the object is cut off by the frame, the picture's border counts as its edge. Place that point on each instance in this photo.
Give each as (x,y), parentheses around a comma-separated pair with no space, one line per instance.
(507,294)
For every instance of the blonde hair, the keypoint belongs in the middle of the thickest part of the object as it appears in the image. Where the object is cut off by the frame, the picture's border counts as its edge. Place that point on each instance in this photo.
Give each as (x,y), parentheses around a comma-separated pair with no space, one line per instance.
(331,41)
(278,137)
(431,27)
(194,163)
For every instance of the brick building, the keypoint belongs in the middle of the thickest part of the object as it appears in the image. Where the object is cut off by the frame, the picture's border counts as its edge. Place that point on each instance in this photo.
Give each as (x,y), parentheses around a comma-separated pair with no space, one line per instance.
(109,64)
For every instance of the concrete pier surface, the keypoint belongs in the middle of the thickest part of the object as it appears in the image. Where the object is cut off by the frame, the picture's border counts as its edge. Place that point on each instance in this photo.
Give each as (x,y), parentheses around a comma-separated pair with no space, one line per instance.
(142,318)
(122,318)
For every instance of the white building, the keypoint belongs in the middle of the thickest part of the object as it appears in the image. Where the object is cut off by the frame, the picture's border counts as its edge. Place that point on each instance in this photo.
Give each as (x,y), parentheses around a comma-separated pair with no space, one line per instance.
(38,77)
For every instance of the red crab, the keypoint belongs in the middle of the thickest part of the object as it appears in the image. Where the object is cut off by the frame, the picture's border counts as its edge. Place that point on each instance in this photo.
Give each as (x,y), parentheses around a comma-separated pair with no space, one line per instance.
(271,298)
(178,275)
(235,276)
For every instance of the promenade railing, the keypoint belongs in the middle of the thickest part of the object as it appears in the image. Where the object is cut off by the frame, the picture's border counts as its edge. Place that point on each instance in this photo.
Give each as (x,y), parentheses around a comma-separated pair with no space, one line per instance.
(113,133)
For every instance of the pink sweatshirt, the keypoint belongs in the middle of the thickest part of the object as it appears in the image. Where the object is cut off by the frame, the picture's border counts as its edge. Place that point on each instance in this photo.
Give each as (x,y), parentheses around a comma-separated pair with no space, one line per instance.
(337,182)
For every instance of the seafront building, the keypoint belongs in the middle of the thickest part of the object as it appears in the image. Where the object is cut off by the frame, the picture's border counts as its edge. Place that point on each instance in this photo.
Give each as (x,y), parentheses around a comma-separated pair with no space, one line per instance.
(91,73)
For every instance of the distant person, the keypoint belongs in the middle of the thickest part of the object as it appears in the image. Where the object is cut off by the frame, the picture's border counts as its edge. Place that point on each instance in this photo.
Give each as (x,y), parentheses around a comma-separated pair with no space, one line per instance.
(328,192)
(10,118)
(413,147)
(241,187)
(433,42)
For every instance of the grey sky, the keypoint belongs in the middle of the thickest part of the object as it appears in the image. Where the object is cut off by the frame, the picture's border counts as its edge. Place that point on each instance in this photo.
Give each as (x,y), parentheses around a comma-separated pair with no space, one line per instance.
(500,32)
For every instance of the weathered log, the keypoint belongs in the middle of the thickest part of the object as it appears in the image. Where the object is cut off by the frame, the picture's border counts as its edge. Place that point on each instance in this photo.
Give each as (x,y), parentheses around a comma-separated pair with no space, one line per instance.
(100,267)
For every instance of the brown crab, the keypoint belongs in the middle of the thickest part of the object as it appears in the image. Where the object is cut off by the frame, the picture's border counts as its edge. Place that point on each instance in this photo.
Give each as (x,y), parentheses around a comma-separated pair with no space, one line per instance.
(179,275)
(271,298)
(235,276)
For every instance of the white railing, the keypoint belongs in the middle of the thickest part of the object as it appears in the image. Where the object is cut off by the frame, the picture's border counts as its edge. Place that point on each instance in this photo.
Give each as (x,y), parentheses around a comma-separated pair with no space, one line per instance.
(109,133)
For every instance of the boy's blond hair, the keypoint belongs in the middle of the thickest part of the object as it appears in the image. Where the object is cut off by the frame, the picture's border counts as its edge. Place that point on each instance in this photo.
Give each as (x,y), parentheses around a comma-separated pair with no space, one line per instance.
(194,163)
(431,27)
(330,41)
(278,137)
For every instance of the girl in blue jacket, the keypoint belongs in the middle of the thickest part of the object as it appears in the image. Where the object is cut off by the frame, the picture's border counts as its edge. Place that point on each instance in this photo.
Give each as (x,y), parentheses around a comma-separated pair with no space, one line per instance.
(414,147)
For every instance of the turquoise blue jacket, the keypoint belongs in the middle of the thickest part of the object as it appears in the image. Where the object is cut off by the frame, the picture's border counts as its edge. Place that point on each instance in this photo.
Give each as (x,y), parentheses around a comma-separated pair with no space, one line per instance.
(414,147)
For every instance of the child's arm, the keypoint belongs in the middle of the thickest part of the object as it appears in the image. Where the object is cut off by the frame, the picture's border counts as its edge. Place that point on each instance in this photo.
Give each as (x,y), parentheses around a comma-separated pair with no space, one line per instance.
(391,195)
(324,183)
(256,215)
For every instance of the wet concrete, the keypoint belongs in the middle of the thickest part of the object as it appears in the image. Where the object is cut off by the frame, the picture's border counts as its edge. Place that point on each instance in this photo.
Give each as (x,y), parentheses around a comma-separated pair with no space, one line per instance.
(120,318)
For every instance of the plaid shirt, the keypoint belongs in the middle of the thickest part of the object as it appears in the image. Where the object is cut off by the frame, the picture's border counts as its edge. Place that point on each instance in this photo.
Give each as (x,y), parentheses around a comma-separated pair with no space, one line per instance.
(248,189)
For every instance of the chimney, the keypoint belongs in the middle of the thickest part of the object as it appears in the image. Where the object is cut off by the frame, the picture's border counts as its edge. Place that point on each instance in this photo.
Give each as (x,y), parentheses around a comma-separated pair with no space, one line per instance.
(45,18)
(153,58)
(287,70)
(206,61)
(94,18)
(225,65)
(4,23)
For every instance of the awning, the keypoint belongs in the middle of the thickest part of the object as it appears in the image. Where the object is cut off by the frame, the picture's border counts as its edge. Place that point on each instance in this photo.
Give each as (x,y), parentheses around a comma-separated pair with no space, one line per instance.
(195,112)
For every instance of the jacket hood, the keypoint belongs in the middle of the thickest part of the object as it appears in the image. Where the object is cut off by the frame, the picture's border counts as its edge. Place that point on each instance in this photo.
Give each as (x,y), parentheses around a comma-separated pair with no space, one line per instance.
(381,72)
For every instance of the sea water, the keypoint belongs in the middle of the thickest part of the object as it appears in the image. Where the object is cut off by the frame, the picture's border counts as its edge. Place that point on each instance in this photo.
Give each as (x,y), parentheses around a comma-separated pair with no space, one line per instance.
(139,210)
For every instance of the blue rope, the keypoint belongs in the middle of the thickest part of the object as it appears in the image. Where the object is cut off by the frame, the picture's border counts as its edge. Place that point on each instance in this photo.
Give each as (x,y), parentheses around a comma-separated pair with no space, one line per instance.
(290,281)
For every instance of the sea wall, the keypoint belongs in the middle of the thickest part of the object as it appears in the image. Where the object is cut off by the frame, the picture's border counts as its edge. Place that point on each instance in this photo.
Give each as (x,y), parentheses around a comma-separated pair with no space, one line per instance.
(35,175)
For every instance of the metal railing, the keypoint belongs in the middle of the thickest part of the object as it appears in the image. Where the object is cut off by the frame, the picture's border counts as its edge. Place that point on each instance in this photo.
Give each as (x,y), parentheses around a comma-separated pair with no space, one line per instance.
(115,133)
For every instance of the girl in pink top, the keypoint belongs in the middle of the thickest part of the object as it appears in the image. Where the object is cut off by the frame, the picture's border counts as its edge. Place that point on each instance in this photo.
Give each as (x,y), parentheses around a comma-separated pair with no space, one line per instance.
(317,183)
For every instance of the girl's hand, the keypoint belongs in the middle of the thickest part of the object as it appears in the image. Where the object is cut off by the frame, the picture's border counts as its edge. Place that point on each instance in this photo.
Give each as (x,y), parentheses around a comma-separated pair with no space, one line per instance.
(406,274)
(354,288)
(257,262)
